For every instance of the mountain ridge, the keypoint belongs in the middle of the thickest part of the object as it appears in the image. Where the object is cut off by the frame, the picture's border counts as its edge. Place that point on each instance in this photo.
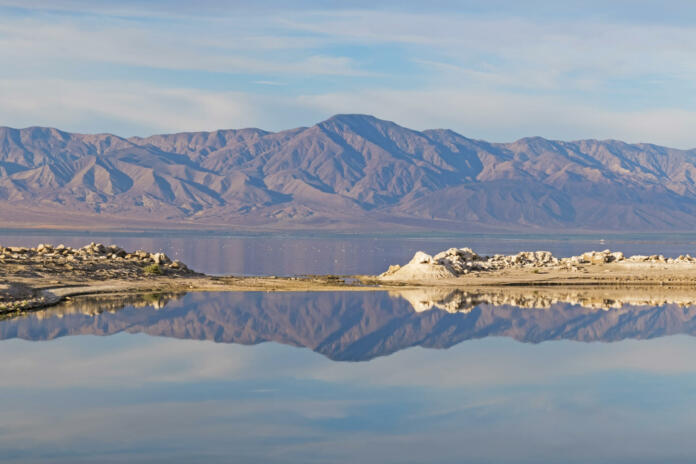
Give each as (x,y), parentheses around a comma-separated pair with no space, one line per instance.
(349,171)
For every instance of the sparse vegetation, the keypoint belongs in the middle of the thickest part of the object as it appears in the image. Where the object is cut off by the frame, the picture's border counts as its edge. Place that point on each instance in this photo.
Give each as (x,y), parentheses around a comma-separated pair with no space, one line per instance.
(153,269)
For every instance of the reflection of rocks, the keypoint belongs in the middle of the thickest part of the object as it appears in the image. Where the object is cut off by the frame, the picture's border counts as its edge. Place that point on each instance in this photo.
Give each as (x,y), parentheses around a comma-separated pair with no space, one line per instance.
(348,325)
(16,297)
(431,298)
(455,300)
(95,305)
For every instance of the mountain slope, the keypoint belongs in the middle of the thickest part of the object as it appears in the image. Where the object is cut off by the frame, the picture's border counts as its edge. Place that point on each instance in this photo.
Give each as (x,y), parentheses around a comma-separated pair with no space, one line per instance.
(352,171)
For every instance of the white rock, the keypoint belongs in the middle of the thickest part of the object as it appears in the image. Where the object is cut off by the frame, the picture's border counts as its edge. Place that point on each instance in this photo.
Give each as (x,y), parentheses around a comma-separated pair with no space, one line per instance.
(421,266)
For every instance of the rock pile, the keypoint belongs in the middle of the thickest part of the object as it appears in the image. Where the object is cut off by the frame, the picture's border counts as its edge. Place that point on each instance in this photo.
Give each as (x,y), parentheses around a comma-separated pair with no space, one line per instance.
(456,262)
(26,272)
(92,253)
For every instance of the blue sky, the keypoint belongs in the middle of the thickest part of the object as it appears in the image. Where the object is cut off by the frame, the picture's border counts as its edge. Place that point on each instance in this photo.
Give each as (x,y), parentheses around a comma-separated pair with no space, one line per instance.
(488,69)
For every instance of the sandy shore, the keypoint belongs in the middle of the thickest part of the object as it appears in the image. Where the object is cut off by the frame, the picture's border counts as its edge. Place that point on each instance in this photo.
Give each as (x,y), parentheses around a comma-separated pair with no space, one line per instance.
(26,293)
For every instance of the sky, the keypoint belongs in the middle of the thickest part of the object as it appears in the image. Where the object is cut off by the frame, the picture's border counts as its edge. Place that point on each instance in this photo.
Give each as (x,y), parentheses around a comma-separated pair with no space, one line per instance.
(494,70)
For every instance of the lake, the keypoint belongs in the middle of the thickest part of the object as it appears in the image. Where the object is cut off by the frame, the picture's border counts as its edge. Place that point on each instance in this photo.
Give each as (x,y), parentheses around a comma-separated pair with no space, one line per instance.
(324,253)
(334,377)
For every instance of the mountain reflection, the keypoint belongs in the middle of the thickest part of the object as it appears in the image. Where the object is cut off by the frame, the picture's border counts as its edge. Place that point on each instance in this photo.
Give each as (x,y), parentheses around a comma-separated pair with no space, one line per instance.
(357,326)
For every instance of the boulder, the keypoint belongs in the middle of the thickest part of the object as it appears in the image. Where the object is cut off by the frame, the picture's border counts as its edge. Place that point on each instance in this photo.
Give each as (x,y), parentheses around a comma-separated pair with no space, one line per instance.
(159,258)
(44,248)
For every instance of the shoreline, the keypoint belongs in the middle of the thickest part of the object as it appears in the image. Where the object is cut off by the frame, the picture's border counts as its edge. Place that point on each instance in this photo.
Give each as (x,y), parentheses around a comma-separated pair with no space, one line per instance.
(35,278)
(44,293)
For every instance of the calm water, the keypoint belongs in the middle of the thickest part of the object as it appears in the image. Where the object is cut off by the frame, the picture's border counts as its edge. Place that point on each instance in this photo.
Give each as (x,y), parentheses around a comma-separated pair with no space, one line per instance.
(339,377)
(293,254)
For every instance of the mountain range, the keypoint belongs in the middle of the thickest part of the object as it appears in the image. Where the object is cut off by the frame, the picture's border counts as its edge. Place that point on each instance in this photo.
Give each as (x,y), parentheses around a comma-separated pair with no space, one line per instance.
(348,172)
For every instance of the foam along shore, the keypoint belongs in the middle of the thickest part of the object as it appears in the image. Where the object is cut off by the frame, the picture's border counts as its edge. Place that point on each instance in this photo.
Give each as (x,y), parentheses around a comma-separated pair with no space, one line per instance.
(457,263)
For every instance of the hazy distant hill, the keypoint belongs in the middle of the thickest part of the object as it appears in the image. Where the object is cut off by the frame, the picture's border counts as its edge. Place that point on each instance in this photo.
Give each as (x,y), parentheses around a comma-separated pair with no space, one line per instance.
(348,171)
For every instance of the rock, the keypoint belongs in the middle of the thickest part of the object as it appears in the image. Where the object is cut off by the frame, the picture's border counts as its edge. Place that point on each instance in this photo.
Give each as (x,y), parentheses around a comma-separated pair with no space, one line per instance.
(600,257)
(392,269)
(421,258)
(460,261)
(466,254)
(159,258)
(421,266)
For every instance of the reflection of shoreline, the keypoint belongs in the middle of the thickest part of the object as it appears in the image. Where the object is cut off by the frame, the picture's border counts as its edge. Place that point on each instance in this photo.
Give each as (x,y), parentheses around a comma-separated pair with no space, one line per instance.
(347,326)
(459,300)
(94,305)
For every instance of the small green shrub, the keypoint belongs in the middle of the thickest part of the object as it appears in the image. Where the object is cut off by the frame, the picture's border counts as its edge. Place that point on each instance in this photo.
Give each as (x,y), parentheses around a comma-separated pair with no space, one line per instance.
(153,269)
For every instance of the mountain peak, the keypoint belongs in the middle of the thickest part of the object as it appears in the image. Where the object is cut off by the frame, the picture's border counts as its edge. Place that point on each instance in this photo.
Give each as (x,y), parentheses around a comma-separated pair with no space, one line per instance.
(352,117)
(356,121)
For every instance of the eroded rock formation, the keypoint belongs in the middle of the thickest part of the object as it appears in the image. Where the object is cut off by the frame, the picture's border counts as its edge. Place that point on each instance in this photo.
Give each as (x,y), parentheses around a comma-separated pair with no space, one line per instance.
(456,262)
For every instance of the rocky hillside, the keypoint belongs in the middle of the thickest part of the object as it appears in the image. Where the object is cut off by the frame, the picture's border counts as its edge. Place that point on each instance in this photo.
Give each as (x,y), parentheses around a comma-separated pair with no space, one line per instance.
(348,171)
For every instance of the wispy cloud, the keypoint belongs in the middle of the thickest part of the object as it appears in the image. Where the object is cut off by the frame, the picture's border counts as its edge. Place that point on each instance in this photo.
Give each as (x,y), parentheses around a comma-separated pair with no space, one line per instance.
(142,109)
(123,43)
(269,83)
(497,73)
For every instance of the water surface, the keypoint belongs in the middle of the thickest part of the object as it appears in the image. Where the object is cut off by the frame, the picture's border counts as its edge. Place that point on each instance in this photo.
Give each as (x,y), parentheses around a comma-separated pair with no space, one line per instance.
(345,377)
(336,377)
(324,253)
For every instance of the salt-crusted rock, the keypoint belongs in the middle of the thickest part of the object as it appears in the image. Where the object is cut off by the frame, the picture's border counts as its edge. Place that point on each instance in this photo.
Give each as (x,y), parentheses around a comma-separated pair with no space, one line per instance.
(159,258)
(466,254)
(421,258)
(176,264)
(392,269)
(460,261)
(421,266)
(43,248)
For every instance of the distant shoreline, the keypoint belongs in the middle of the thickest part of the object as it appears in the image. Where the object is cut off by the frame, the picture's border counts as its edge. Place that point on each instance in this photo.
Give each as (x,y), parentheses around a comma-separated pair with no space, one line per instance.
(242,232)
